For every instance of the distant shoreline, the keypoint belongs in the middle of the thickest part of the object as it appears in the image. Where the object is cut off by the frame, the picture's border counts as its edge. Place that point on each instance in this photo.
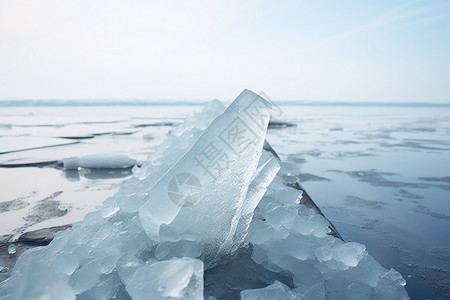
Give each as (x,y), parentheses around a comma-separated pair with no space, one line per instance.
(83,103)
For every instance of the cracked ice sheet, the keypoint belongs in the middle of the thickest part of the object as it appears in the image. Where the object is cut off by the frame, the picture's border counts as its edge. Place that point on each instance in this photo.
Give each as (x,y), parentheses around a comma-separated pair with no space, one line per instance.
(210,181)
(15,144)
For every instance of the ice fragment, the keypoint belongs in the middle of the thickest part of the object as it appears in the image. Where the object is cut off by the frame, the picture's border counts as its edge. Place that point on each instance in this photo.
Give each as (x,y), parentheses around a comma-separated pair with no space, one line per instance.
(99,161)
(172,279)
(12,249)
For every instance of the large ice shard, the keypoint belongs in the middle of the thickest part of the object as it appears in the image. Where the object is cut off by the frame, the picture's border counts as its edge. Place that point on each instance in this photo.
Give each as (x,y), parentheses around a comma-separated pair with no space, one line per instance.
(204,192)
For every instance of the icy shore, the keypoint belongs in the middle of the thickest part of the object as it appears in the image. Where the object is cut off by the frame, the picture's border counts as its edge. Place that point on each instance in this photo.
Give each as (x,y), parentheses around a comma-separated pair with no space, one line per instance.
(196,220)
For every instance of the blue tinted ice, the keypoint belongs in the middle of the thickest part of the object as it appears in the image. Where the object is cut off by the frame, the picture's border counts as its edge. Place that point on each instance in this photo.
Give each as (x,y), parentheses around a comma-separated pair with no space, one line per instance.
(179,278)
(99,161)
(209,214)
(209,182)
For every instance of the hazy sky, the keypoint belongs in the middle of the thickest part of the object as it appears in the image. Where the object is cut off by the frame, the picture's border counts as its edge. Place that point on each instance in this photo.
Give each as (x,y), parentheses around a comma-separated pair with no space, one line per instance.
(292,50)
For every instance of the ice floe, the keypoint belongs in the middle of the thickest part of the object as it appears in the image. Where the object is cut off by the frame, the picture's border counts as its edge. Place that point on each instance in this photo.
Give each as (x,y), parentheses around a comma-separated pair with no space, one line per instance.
(99,161)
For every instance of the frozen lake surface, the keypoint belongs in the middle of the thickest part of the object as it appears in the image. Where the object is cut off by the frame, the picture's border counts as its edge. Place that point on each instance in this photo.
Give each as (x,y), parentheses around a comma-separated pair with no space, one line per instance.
(380,174)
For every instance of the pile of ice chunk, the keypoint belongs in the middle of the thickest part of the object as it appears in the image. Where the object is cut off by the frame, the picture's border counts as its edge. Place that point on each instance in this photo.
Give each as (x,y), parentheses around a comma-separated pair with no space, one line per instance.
(207,216)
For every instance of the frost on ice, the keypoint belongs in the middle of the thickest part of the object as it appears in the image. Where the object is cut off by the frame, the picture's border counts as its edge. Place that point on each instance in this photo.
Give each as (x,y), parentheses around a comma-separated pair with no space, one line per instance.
(209,215)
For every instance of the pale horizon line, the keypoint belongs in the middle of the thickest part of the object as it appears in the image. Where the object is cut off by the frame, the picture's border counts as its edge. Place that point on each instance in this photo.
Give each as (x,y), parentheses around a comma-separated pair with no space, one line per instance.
(153,102)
